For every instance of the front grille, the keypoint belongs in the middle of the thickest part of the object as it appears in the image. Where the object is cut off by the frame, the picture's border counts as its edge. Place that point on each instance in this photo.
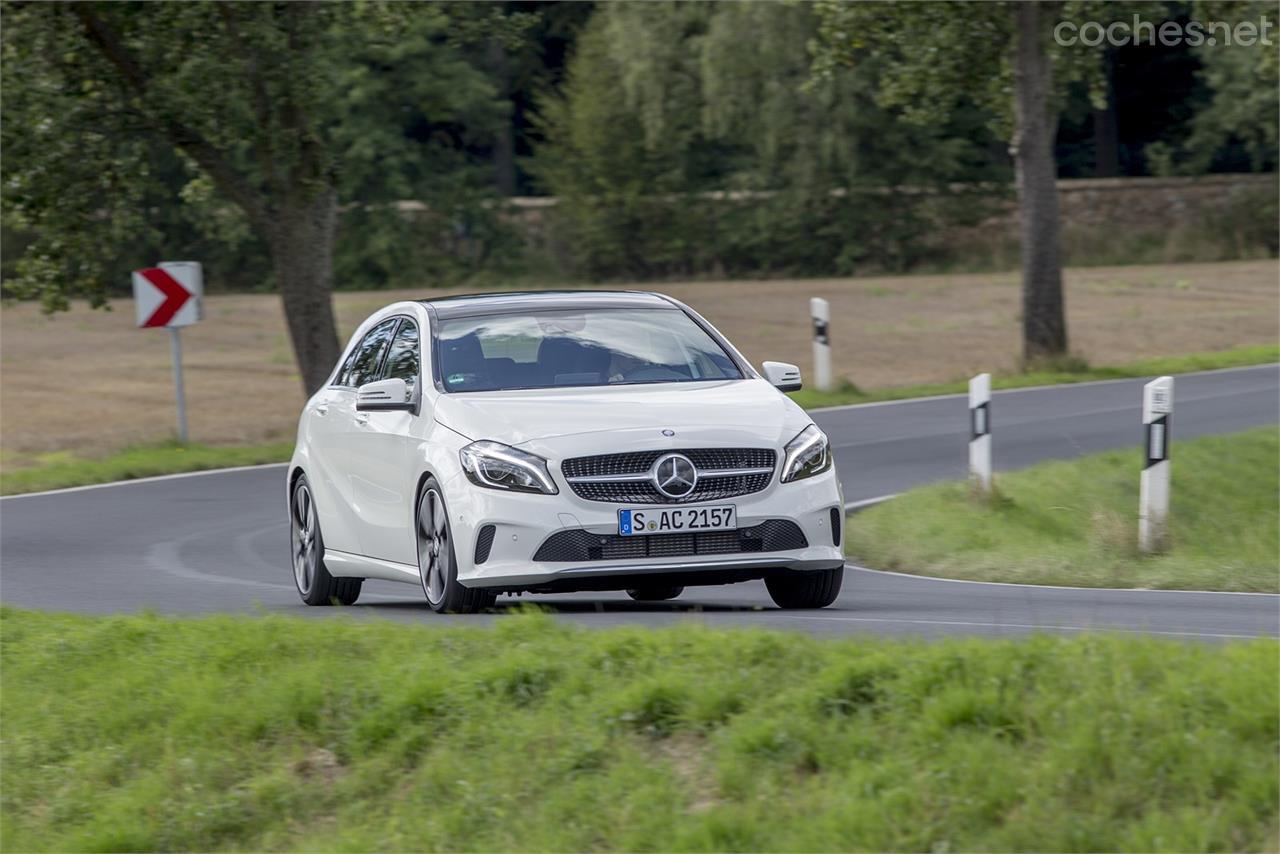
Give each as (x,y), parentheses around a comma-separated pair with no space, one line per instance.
(775,535)
(709,488)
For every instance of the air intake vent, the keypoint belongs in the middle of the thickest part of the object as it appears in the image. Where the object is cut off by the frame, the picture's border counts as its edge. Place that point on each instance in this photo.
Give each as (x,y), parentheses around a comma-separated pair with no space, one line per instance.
(775,535)
(837,525)
(484,542)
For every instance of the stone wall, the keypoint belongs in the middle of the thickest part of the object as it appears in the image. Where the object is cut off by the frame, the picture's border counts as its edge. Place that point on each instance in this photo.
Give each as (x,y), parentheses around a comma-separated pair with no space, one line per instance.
(1155,203)
(1105,220)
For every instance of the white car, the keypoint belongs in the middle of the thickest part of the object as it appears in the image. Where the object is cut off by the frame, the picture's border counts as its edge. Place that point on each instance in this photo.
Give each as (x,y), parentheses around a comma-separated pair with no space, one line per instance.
(553,442)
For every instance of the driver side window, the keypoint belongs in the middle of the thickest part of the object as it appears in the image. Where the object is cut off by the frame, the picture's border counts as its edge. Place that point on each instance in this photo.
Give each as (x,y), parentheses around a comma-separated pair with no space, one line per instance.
(362,367)
(402,361)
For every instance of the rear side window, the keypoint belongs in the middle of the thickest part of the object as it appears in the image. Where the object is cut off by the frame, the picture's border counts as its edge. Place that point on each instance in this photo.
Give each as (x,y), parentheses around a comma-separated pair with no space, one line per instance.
(362,366)
(402,361)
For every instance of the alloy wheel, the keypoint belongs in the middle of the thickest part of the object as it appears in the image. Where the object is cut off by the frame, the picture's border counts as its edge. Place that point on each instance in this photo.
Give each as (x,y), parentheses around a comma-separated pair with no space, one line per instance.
(434,554)
(302,530)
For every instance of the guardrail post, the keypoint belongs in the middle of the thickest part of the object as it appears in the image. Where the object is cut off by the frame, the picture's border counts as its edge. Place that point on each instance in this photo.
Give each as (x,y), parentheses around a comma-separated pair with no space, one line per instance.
(820,311)
(980,432)
(1153,498)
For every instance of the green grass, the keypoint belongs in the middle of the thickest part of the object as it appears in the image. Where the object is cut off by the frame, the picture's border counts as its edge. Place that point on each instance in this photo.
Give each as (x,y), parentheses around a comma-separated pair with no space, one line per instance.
(64,469)
(263,733)
(1075,523)
(1071,371)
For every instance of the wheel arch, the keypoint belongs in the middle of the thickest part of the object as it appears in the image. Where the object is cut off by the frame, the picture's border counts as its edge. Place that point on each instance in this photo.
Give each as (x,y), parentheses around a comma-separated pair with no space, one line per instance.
(423,476)
(291,482)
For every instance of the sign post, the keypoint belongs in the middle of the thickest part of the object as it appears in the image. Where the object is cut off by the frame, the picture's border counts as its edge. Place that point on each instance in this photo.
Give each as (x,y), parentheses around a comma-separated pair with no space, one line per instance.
(168,296)
(820,311)
(980,432)
(1153,497)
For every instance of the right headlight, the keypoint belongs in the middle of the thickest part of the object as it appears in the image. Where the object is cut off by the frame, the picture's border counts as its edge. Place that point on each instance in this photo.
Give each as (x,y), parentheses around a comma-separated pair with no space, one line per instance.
(498,466)
(806,455)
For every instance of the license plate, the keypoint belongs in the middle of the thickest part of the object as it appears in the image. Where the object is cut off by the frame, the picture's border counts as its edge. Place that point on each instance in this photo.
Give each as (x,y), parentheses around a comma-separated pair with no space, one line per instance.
(661,520)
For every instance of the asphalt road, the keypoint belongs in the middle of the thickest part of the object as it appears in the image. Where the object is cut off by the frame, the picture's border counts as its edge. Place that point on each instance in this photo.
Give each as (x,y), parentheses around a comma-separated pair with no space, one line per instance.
(218,542)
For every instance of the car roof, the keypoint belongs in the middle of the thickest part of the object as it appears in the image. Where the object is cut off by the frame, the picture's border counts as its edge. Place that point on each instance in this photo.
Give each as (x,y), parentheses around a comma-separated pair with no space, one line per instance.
(523,302)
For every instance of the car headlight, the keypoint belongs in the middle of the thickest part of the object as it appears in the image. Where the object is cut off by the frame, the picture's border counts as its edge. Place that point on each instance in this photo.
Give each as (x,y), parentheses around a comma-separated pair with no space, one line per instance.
(500,466)
(806,455)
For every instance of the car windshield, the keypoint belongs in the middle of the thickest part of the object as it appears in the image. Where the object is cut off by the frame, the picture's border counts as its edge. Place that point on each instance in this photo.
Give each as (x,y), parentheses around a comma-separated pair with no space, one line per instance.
(588,347)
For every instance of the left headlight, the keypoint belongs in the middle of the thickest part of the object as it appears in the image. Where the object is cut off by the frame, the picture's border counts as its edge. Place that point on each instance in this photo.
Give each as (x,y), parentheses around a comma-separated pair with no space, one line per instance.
(806,455)
(499,466)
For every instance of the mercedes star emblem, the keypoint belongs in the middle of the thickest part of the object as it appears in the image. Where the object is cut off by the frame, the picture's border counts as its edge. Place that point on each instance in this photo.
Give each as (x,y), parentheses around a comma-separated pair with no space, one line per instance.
(675,475)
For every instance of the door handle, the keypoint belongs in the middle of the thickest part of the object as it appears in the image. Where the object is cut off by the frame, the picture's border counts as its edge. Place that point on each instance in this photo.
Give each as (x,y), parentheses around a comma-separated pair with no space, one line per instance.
(322,409)
(362,418)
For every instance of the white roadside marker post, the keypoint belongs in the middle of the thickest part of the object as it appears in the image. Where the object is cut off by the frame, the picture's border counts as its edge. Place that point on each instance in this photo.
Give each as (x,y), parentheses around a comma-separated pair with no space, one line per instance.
(1153,499)
(980,433)
(820,311)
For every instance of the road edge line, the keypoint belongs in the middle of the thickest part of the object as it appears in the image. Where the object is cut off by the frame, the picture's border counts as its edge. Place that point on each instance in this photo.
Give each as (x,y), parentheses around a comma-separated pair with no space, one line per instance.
(960,394)
(132,480)
(869,569)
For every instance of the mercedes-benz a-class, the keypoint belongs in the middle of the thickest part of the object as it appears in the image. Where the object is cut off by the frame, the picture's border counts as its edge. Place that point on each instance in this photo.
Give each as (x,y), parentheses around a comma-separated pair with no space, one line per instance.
(554,442)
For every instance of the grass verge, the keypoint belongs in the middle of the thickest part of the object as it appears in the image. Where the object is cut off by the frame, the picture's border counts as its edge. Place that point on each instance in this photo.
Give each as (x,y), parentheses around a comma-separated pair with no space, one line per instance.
(63,470)
(151,733)
(1075,522)
(1072,372)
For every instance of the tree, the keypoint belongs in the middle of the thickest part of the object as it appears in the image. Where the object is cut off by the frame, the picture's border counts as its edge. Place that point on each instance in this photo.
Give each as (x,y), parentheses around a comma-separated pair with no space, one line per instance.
(674,151)
(1001,56)
(1243,111)
(257,101)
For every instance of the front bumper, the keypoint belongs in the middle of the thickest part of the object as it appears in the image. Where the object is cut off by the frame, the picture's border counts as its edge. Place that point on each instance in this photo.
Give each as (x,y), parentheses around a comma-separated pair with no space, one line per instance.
(522,522)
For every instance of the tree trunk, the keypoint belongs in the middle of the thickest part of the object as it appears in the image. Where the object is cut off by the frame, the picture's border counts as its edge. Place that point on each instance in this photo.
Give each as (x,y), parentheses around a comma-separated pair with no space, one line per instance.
(1044,324)
(1106,129)
(301,239)
(504,142)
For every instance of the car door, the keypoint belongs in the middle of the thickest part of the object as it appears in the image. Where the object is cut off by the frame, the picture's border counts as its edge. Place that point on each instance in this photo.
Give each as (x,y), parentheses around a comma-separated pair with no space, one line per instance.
(335,458)
(382,465)
(325,425)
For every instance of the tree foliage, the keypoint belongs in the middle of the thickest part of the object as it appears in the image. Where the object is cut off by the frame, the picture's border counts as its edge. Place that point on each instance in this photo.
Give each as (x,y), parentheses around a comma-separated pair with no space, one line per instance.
(1243,110)
(275,142)
(270,115)
(664,112)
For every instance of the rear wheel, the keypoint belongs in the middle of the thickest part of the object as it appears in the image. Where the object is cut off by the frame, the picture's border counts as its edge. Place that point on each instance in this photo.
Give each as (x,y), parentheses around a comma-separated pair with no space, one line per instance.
(654,594)
(315,585)
(437,564)
(815,588)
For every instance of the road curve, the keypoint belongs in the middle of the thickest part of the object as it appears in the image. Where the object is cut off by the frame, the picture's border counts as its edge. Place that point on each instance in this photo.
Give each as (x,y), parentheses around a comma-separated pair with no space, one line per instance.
(217,541)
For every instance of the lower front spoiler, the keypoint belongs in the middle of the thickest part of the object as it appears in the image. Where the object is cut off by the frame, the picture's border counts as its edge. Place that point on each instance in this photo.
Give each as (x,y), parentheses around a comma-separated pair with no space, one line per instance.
(625,576)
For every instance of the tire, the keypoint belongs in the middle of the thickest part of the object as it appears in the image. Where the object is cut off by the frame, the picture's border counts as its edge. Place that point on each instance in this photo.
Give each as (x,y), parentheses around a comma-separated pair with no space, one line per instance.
(310,576)
(437,561)
(815,588)
(654,594)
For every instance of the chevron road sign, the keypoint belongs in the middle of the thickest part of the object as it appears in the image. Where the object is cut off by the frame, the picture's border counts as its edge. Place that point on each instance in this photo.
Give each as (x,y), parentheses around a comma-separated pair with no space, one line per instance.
(168,296)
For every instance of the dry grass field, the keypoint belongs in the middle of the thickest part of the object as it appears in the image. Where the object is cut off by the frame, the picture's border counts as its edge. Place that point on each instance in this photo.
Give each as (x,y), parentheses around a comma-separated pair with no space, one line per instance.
(87,381)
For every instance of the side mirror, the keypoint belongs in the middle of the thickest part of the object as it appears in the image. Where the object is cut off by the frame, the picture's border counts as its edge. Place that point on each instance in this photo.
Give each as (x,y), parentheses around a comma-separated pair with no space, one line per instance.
(782,376)
(385,396)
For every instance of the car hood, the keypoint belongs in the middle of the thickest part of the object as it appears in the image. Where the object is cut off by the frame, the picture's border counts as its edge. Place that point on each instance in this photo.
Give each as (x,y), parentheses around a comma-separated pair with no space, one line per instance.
(560,421)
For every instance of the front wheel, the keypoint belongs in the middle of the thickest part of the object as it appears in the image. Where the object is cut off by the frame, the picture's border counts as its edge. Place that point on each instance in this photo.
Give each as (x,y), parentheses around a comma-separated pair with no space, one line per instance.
(437,563)
(315,585)
(815,588)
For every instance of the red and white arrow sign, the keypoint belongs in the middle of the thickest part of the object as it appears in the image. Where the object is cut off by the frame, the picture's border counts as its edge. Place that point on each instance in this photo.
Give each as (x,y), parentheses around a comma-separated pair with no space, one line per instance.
(168,295)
